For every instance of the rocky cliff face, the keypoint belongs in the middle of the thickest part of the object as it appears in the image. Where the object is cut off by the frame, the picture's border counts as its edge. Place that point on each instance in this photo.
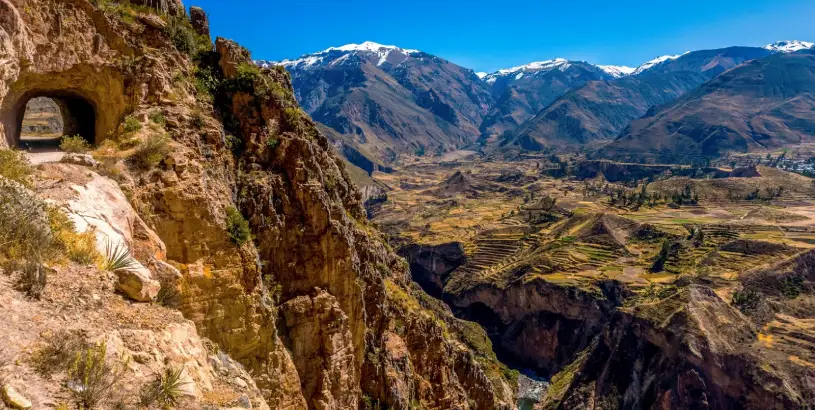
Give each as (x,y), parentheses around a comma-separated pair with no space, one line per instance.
(314,305)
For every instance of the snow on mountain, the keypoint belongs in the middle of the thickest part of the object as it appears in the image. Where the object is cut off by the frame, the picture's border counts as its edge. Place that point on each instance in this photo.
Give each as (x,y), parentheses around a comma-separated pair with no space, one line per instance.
(336,55)
(655,62)
(534,67)
(481,74)
(617,70)
(789,46)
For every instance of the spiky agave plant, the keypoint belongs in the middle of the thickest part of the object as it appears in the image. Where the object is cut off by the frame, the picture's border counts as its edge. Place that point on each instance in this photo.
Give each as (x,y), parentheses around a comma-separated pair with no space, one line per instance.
(166,390)
(117,256)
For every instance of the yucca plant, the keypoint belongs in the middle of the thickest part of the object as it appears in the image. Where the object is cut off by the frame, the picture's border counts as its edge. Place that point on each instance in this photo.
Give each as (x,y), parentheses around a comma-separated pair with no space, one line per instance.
(166,390)
(117,256)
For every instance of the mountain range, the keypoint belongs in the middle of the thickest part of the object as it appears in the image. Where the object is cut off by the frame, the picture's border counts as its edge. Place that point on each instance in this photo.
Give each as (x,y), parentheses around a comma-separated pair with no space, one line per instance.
(379,103)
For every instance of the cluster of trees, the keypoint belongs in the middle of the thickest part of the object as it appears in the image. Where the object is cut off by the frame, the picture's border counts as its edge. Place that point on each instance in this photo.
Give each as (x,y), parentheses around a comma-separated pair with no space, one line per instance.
(687,196)
(768,194)
(635,199)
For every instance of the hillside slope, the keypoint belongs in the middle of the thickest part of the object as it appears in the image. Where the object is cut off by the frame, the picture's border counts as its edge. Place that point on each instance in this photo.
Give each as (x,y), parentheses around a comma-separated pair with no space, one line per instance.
(764,104)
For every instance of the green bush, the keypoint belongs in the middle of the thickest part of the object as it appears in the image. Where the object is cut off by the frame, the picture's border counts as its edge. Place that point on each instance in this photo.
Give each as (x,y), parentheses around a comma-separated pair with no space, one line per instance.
(91,377)
(237,226)
(132,124)
(792,287)
(157,117)
(272,143)
(746,301)
(75,144)
(151,151)
(182,34)
(15,166)
(292,116)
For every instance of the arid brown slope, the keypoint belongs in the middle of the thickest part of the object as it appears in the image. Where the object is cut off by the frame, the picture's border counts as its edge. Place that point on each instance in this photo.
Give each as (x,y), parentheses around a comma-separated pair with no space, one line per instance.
(316,307)
(763,104)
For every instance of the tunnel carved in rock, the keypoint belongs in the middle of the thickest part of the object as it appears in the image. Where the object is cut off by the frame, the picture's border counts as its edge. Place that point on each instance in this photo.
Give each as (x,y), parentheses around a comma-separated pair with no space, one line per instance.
(91,102)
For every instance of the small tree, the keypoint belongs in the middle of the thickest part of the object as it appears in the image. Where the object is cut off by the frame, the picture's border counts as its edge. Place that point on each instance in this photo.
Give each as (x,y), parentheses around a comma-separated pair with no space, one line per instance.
(237,226)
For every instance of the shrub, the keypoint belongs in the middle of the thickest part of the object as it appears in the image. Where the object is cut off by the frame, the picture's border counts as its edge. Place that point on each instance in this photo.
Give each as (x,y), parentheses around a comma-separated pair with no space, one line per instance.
(292,117)
(792,287)
(237,226)
(272,143)
(168,295)
(15,167)
(185,39)
(82,249)
(197,121)
(59,351)
(151,151)
(166,390)
(131,124)
(25,231)
(74,143)
(157,117)
(746,301)
(91,377)
(117,256)
(32,279)
(78,247)
(182,35)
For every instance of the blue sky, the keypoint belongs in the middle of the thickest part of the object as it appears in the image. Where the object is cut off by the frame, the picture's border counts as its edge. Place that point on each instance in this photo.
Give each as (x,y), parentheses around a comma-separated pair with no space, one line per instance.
(488,35)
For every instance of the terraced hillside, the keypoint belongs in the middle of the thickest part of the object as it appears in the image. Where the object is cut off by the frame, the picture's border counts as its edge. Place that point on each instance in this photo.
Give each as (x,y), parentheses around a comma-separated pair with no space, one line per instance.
(546,264)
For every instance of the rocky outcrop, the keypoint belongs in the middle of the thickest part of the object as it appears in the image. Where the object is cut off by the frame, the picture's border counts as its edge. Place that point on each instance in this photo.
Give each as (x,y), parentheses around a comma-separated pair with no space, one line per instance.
(200,21)
(310,228)
(536,324)
(431,264)
(687,351)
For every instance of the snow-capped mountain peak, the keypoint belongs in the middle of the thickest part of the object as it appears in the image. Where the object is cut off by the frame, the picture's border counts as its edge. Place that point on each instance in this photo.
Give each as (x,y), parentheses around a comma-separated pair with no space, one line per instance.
(657,61)
(617,71)
(533,67)
(369,46)
(481,75)
(337,55)
(789,46)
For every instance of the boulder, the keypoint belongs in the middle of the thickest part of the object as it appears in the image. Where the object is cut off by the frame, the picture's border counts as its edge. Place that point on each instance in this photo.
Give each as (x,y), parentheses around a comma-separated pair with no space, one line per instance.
(85,160)
(136,282)
(14,399)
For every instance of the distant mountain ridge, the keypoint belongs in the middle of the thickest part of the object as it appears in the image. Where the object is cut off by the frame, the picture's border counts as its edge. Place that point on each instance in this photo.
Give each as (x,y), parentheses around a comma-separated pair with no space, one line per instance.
(764,104)
(598,111)
(383,102)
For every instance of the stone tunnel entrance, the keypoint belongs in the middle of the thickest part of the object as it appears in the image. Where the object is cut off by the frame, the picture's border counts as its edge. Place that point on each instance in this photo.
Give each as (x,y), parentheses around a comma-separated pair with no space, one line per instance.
(44,118)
